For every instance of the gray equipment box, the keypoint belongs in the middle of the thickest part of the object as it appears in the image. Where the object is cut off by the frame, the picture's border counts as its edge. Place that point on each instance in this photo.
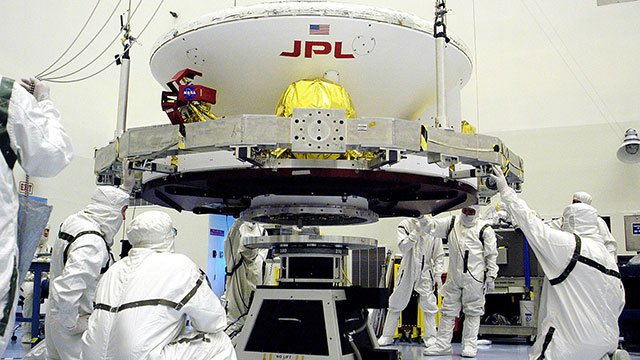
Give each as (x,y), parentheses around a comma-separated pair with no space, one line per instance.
(511,245)
(632,232)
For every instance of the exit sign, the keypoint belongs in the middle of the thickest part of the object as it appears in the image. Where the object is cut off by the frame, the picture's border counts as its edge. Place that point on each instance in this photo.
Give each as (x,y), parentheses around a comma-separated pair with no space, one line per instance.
(26,188)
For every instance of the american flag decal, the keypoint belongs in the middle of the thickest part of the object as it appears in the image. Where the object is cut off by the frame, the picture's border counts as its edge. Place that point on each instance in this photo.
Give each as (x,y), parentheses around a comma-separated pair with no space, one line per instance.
(318,29)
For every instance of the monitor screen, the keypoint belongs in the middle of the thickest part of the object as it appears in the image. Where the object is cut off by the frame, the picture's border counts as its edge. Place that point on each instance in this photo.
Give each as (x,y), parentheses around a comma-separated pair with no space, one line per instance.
(607,219)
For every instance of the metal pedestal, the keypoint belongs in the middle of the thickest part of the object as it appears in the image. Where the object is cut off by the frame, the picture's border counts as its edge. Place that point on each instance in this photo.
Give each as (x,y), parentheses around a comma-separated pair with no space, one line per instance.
(516,285)
(309,324)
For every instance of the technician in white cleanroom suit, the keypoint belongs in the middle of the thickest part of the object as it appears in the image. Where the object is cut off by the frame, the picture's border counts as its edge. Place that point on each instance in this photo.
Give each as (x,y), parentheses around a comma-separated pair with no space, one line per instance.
(244,273)
(420,269)
(81,253)
(144,300)
(472,273)
(582,289)
(609,241)
(31,134)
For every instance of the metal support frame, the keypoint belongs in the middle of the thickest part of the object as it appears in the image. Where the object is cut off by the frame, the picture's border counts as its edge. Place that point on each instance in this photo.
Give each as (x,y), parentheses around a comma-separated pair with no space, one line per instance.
(247,135)
(37,267)
(337,278)
(124,60)
(389,157)
(440,33)
(247,154)
(146,165)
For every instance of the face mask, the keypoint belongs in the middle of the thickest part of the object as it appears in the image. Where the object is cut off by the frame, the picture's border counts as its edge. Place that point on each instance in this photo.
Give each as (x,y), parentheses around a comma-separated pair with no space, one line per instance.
(469,211)
(469,216)
(469,221)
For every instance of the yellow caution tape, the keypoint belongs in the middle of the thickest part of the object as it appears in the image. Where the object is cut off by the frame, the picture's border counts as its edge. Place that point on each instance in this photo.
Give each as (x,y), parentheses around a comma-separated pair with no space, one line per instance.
(424,135)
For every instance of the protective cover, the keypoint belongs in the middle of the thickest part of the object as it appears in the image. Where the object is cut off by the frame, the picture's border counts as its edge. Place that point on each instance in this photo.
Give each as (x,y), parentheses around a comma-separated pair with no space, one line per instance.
(33,216)
(315,93)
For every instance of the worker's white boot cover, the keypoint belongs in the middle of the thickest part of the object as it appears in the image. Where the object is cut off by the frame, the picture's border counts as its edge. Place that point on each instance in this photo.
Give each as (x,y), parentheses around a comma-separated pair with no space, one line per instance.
(430,333)
(470,336)
(38,352)
(389,329)
(385,340)
(621,355)
(442,345)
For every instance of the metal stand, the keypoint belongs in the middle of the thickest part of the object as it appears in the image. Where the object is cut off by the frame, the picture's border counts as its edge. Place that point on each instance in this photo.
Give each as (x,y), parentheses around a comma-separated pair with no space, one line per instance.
(516,285)
(310,315)
(37,268)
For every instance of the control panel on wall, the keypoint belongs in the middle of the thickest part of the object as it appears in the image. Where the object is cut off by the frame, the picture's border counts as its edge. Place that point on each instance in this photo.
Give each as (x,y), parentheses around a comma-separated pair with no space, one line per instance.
(632,232)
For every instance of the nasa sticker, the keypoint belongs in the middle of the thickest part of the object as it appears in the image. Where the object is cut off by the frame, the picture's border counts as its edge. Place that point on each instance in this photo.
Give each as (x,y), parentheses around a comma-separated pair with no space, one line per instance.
(189,92)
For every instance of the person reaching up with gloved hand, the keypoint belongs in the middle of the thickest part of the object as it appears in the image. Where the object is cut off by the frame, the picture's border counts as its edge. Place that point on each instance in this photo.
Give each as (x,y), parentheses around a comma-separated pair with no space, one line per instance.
(32,135)
(582,289)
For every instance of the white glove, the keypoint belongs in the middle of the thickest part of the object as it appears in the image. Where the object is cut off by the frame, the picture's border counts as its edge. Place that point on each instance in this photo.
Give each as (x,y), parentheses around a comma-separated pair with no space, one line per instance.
(439,281)
(81,325)
(498,177)
(36,87)
(424,221)
(489,285)
(128,178)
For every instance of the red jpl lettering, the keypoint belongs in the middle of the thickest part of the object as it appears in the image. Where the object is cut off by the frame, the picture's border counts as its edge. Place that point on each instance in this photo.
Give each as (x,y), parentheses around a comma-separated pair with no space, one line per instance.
(312,48)
(296,50)
(339,54)
(322,48)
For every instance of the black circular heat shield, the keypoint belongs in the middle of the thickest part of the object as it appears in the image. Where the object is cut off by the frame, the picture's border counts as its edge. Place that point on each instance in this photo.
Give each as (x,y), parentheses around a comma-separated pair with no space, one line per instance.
(229,191)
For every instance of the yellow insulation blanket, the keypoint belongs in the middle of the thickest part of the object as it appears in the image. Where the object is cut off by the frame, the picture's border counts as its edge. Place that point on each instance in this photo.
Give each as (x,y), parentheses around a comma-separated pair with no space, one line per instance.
(317,94)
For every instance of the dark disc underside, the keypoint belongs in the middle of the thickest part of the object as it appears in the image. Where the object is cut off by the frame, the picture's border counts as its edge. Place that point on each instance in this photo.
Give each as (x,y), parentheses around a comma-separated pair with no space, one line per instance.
(229,191)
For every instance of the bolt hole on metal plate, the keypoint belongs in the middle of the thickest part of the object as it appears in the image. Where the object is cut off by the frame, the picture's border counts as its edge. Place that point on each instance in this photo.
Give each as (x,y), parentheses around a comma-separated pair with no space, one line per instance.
(323,131)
